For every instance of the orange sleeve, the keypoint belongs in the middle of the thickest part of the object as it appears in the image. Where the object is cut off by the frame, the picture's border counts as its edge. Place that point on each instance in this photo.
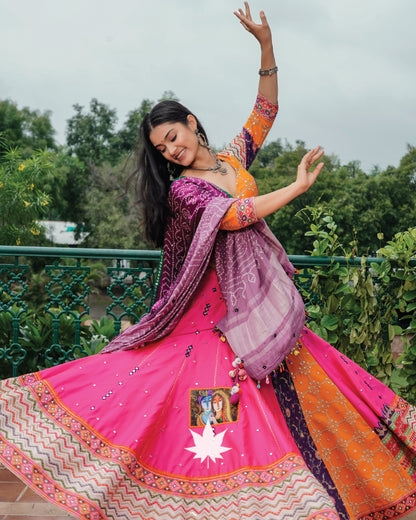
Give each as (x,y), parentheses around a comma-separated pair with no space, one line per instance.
(240,214)
(248,142)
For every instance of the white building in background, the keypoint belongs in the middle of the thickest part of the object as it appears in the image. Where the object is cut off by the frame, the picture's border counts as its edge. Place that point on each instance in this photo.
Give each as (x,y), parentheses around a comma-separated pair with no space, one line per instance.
(62,233)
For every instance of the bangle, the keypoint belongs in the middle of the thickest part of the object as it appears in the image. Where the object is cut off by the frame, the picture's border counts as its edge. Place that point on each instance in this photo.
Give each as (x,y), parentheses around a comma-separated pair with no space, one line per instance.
(268,72)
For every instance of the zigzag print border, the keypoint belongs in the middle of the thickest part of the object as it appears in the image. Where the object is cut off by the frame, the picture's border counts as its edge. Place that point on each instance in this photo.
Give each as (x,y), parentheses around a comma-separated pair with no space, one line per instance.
(94,481)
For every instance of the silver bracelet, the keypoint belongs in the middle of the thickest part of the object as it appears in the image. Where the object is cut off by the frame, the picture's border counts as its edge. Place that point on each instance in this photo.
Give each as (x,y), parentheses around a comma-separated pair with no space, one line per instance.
(268,72)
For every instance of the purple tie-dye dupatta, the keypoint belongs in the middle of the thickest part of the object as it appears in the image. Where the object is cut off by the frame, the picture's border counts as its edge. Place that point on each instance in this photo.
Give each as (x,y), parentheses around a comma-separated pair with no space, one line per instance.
(197,208)
(265,313)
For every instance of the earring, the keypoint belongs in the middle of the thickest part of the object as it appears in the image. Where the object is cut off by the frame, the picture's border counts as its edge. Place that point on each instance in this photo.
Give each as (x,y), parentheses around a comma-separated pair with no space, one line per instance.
(202,140)
(171,171)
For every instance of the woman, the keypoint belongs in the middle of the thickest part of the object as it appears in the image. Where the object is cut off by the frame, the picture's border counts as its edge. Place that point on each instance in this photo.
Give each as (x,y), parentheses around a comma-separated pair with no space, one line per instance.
(221,407)
(111,436)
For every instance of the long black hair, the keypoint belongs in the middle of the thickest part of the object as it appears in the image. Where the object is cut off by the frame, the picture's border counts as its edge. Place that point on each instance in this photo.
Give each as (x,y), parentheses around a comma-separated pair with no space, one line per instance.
(154,173)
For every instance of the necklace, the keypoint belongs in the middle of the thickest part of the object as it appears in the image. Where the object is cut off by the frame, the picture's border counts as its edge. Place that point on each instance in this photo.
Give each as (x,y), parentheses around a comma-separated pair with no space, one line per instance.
(217,168)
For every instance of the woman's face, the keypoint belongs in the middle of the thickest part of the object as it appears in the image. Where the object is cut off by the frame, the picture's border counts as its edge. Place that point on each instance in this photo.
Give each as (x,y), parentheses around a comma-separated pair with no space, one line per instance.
(217,403)
(177,142)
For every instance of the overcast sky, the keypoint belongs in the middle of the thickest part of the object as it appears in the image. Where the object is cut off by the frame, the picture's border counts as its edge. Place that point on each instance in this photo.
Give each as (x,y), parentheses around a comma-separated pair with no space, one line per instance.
(347,68)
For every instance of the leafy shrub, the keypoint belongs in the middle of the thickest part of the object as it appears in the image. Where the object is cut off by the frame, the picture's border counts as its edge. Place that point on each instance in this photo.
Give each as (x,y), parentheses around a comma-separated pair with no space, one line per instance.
(361,306)
(22,199)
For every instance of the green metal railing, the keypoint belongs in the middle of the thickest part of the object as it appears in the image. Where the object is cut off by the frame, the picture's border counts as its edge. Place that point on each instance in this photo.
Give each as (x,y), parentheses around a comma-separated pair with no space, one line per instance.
(45,298)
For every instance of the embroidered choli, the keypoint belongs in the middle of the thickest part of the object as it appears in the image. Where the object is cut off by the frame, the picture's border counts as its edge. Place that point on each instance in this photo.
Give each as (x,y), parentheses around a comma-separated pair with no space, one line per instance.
(240,154)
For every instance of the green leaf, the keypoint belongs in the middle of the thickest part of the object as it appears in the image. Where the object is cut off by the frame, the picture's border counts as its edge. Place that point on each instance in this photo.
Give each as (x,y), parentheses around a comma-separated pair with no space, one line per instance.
(362,336)
(324,245)
(314,229)
(411,307)
(317,246)
(333,338)
(333,303)
(314,311)
(378,268)
(411,379)
(342,289)
(397,330)
(409,296)
(372,361)
(330,321)
(409,242)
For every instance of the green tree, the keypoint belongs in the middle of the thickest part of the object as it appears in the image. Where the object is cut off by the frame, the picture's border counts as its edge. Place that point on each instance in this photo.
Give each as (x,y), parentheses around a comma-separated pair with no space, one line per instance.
(267,155)
(22,199)
(94,142)
(91,136)
(129,134)
(399,186)
(363,205)
(26,129)
(66,184)
(168,94)
(112,218)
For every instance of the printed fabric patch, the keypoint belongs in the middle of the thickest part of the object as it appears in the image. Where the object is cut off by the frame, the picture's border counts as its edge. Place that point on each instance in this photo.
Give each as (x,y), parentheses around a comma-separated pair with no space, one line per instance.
(211,405)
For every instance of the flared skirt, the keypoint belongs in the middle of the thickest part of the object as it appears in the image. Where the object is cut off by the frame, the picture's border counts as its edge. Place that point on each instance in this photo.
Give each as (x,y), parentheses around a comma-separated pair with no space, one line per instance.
(155,432)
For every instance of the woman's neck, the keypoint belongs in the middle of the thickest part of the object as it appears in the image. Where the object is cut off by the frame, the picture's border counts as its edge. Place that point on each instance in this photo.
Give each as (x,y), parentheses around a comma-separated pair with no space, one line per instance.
(204,159)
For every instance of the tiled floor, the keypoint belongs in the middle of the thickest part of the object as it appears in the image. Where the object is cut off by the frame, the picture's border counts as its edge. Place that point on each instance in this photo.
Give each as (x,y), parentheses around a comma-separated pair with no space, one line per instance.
(18,502)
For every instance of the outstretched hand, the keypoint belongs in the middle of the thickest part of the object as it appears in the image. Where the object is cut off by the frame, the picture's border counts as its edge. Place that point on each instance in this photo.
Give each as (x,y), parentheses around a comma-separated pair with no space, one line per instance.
(306,178)
(260,31)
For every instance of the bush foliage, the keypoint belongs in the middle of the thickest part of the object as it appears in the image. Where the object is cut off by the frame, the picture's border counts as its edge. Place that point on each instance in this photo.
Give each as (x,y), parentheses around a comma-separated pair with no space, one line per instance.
(360,308)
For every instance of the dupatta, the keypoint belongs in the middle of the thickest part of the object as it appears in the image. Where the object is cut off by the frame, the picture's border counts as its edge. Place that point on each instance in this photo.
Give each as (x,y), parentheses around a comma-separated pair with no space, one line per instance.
(265,312)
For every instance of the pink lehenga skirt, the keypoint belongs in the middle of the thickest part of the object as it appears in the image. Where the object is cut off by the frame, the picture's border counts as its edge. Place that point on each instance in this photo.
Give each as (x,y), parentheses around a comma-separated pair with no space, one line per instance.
(153,433)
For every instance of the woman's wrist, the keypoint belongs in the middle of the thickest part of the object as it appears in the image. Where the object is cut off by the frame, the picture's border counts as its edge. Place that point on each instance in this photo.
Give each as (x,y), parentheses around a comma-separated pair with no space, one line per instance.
(266,45)
(299,187)
(267,59)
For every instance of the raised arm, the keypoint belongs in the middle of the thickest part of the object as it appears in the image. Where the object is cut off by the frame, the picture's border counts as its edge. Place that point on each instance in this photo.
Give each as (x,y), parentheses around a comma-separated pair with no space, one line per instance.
(245,146)
(247,143)
(268,70)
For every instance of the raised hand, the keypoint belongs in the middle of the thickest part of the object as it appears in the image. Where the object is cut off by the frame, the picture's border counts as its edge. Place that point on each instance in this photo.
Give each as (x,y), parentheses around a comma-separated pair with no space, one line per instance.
(306,178)
(260,31)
